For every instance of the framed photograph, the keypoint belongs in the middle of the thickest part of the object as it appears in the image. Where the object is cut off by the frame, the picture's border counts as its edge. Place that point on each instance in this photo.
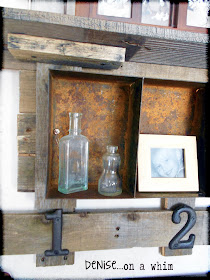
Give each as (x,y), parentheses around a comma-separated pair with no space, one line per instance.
(167,163)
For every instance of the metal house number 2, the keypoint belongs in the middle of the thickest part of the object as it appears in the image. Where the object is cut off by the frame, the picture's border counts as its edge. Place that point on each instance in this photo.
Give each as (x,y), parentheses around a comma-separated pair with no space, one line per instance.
(175,242)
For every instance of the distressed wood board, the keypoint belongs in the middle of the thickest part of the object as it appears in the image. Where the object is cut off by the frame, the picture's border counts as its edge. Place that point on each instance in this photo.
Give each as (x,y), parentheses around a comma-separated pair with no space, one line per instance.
(48,50)
(9,62)
(110,231)
(26,174)
(26,133)
(145,44)
(27,103)
(151,71)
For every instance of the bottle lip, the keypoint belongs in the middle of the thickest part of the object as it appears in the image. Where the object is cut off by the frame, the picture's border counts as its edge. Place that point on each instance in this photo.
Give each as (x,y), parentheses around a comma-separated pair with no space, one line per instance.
(112,149)
(75,115)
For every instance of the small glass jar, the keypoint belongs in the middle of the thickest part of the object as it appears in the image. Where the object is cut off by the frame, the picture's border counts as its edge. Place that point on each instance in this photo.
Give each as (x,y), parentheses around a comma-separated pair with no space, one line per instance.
(109,183)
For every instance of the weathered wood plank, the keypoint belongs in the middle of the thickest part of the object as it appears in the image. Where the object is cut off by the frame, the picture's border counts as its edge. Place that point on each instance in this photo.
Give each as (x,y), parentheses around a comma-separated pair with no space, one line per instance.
(145,44)
(169,203)
(56,23)
(32,234)
(26,174)
(48,50)
(150,71)
(27,102)
(9,62)
(26,133)
(153,71)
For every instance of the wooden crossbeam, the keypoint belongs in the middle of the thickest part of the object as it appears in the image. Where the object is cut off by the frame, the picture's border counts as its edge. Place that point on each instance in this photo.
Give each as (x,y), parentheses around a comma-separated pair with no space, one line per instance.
(48,50)
(32,234)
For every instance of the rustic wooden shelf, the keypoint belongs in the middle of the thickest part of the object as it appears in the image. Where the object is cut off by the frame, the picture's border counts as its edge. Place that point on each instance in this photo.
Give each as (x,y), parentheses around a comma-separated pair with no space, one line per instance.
(144,44)
(31,233)
(48,50)
(169,61)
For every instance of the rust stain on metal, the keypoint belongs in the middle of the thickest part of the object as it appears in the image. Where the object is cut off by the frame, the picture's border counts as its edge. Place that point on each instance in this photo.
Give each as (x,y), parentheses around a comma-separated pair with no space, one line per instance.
(106,120)
(170,108)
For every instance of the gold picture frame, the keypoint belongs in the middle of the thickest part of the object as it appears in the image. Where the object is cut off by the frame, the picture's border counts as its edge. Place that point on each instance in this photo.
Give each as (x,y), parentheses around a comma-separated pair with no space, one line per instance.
(167,163)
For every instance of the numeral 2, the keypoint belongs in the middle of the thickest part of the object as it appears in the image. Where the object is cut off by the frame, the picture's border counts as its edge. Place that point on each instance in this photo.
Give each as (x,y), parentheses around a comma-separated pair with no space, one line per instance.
(175,242)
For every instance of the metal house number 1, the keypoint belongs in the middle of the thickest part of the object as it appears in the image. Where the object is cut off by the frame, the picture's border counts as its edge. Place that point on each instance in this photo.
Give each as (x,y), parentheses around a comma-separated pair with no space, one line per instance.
(56,217)
(175,242)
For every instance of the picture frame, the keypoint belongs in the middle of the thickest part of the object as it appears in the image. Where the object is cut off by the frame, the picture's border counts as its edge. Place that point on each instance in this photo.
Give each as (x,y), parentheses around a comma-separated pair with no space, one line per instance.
(167,163)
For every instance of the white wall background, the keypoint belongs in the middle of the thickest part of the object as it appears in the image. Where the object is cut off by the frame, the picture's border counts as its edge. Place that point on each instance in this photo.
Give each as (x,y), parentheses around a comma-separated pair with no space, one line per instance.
(24,266)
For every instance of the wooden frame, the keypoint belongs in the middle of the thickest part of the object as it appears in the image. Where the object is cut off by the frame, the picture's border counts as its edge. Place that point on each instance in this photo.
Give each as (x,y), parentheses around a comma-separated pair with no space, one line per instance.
(163,181)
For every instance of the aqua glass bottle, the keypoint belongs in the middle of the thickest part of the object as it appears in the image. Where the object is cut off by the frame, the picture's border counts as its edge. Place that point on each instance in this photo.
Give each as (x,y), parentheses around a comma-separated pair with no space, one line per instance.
(73,158)
(109,183)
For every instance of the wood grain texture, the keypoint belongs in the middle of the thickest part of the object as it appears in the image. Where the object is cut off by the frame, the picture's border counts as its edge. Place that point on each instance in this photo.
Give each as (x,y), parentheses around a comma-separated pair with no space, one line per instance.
(32,234)
(27,103)
(150,71)
(9,62)
(26,133)
(48,50)
(132,69)
(26,173)
(168,204)
(145,44)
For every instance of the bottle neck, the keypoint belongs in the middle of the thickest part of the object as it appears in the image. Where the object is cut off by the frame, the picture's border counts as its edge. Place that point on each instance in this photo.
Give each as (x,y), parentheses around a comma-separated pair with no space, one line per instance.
(74,124)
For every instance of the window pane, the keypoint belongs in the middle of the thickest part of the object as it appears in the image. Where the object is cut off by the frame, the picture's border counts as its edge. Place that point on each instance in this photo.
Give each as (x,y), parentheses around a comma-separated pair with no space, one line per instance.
(53,6)
(115,8)
(197,13)
(18,4)
(155,12)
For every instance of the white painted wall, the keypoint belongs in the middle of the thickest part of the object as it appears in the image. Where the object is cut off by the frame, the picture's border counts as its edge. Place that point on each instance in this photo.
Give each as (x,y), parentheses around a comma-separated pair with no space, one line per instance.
(24,266)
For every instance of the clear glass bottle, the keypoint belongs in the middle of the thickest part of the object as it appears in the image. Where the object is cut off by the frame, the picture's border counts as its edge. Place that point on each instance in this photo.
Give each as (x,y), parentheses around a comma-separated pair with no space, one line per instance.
(109,183)
(73,158)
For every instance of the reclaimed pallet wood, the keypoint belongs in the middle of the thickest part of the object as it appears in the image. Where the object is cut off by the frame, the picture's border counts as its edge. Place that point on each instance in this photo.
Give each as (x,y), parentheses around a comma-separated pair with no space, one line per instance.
(144,44)
(27,103)
(48,50)
(9,62)
(168,204)
(26,174)
(153,71)
(26,133)
(32,233)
